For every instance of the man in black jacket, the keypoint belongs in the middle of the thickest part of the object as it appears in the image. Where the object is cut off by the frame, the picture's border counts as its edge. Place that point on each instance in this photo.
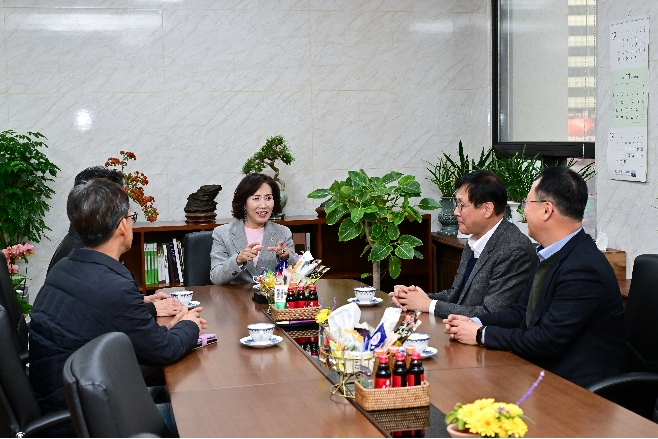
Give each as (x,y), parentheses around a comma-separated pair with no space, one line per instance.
(158,304)
(90,293)
(569,319)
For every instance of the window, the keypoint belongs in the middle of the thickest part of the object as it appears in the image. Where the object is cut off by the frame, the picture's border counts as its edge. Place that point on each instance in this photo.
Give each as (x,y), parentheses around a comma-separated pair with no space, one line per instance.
(544,77)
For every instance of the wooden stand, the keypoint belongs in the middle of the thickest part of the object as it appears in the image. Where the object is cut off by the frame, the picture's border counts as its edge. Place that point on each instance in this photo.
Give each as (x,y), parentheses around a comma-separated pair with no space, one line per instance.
(342,257)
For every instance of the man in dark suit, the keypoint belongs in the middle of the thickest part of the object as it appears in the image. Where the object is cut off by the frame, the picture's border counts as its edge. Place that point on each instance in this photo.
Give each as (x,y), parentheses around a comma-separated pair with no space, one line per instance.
(159,304)
(496,263)
(569,319)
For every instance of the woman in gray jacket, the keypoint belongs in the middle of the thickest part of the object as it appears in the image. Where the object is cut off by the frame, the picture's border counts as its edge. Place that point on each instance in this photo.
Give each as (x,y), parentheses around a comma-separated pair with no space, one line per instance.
(236,254)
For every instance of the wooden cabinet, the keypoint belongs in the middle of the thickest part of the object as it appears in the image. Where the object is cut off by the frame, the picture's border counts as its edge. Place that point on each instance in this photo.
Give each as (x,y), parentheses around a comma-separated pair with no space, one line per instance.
(342,257)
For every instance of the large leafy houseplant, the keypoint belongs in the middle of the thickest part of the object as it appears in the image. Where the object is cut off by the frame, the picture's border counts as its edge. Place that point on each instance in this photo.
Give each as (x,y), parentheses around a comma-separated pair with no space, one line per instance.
(25,176)
(372,208)
(518,172)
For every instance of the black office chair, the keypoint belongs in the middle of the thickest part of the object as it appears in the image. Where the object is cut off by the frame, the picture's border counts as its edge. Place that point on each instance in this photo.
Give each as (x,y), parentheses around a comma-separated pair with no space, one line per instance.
(196,251)
(635,391)
(9,301)
(640,315)
(20,414)
(106,393)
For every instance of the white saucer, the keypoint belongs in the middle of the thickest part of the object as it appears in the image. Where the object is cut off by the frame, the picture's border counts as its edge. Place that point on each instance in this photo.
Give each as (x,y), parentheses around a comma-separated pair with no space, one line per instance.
(375,301)
(428,352)
(193,304)
(248,341)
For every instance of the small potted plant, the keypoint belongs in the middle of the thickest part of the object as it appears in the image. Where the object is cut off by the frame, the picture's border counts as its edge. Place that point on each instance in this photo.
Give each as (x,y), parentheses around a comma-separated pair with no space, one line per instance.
(372,208)
(275,148)
(134,183)
(444,174)
(489,418)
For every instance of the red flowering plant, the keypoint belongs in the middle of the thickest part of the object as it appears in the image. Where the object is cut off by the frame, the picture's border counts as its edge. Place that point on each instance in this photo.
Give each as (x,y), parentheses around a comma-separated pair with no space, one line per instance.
(134,183)
(12,254)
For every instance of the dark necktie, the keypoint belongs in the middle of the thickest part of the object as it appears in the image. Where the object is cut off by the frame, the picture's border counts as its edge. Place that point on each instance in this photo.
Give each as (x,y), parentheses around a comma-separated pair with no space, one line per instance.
(537,285)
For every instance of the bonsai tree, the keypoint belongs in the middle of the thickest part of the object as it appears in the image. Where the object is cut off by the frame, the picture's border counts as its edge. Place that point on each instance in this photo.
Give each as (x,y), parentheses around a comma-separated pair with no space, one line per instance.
(25,175)
(133,183)
(372,208)
(275,148)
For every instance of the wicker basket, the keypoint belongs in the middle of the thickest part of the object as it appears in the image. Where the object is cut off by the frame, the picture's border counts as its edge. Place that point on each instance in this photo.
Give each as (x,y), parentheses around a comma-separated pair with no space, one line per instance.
(294,313)
(393,398)
(415,418)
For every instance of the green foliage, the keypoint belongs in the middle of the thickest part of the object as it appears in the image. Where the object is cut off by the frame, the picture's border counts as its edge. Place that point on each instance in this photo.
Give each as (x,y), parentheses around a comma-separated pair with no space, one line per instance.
(447,171)
(372,208)
(518,173)
(275,148)
(25,173)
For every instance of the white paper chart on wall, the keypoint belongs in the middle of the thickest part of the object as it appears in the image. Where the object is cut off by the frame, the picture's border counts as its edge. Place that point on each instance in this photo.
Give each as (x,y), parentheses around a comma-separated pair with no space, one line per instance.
(629,99)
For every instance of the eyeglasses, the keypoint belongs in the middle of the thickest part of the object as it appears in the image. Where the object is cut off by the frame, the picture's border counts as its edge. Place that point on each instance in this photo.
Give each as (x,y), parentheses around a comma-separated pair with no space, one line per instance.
(459,205)
(132,215)
(525,202)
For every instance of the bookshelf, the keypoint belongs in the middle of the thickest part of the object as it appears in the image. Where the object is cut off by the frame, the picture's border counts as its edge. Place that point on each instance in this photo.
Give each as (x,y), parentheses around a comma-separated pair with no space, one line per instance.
(342,257)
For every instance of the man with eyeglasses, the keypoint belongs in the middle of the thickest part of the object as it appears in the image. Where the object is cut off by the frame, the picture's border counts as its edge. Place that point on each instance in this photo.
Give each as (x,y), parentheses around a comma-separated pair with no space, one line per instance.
(90,293)
(570,318)
(159,304)
(495,265)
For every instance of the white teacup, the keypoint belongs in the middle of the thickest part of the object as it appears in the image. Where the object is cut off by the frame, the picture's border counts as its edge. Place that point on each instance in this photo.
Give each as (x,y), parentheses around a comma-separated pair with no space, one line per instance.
(183,297)
(364,294)
(419,340)
(261,331)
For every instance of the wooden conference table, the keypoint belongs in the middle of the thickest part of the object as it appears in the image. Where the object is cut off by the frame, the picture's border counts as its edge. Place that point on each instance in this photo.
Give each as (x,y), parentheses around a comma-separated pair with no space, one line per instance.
(229,390)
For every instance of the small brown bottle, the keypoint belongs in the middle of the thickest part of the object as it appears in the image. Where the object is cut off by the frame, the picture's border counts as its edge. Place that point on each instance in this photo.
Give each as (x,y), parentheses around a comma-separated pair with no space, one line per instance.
(291,300)
(383,374)
(301,297)
(416,372)
(312,298)
(399,371)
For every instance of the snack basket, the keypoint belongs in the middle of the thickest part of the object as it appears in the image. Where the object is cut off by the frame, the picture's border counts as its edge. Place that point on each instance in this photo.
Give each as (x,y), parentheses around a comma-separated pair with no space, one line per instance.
(414,418)
(393,398)
(346,364)
(279,315)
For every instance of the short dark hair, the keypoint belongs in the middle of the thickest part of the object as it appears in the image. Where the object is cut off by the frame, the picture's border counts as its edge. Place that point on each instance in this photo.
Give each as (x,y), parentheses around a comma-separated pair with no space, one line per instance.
(95,209)
(247,187)
(484,186)
(99,172)
(565,188)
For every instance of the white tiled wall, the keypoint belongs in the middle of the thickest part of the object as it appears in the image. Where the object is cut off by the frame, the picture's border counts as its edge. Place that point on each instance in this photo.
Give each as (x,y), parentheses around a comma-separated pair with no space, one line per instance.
(195,87)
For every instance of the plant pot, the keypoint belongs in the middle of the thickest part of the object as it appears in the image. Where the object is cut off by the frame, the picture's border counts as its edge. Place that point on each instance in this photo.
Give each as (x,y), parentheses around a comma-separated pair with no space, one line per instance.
(447,217)
(516,216)
(284,201)
(454,432)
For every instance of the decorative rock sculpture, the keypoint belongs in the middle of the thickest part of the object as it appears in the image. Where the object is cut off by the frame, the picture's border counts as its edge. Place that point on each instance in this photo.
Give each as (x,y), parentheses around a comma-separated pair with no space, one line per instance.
(201,205)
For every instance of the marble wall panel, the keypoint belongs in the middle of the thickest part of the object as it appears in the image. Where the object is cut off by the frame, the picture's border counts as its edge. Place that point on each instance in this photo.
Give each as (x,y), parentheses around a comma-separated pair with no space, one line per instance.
(446,7)
(394,51)
(266,5)
(83,50)
(233,126)
(84,129)
(378,130)
(223,50)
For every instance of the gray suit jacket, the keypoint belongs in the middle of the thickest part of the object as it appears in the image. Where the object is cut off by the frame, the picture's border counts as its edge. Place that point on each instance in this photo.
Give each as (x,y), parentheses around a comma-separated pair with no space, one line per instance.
(497,279)
(230,239)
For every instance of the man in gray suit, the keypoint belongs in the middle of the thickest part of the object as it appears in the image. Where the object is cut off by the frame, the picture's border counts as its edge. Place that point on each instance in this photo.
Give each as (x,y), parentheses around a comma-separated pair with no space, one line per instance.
(496,263)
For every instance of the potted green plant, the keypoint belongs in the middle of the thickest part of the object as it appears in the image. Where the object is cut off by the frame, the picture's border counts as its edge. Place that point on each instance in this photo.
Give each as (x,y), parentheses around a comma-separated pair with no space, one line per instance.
(275,148)
(25,176)
(372,208)
(518,172)
(444,174)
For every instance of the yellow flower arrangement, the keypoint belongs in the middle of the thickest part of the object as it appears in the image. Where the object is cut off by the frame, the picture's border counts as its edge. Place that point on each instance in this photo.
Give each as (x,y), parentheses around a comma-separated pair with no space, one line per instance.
(489,418)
